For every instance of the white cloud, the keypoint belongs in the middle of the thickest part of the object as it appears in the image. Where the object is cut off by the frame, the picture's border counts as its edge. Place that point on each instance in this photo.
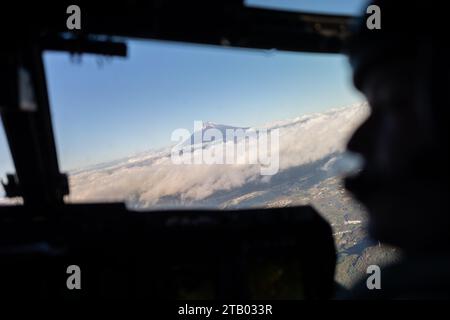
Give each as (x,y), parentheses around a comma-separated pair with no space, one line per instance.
(146,179)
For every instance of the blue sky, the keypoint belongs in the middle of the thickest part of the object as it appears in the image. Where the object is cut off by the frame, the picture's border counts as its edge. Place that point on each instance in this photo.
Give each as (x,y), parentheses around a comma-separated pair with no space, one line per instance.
(104,111)
(350,7)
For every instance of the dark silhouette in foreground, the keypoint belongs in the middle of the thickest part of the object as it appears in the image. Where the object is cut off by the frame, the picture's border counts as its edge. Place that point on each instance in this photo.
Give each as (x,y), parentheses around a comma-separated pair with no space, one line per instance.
(404,182)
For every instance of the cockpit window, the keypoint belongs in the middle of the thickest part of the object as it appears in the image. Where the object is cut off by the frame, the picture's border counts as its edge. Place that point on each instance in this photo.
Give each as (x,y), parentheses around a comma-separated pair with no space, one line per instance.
(176,126)
(6,167)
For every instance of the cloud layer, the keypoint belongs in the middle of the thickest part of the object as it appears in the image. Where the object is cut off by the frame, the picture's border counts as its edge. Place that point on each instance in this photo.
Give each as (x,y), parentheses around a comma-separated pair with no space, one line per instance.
(151,178)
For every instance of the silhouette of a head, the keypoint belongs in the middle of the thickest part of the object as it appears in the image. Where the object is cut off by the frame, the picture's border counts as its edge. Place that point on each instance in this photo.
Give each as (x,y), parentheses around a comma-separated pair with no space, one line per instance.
(404,142)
